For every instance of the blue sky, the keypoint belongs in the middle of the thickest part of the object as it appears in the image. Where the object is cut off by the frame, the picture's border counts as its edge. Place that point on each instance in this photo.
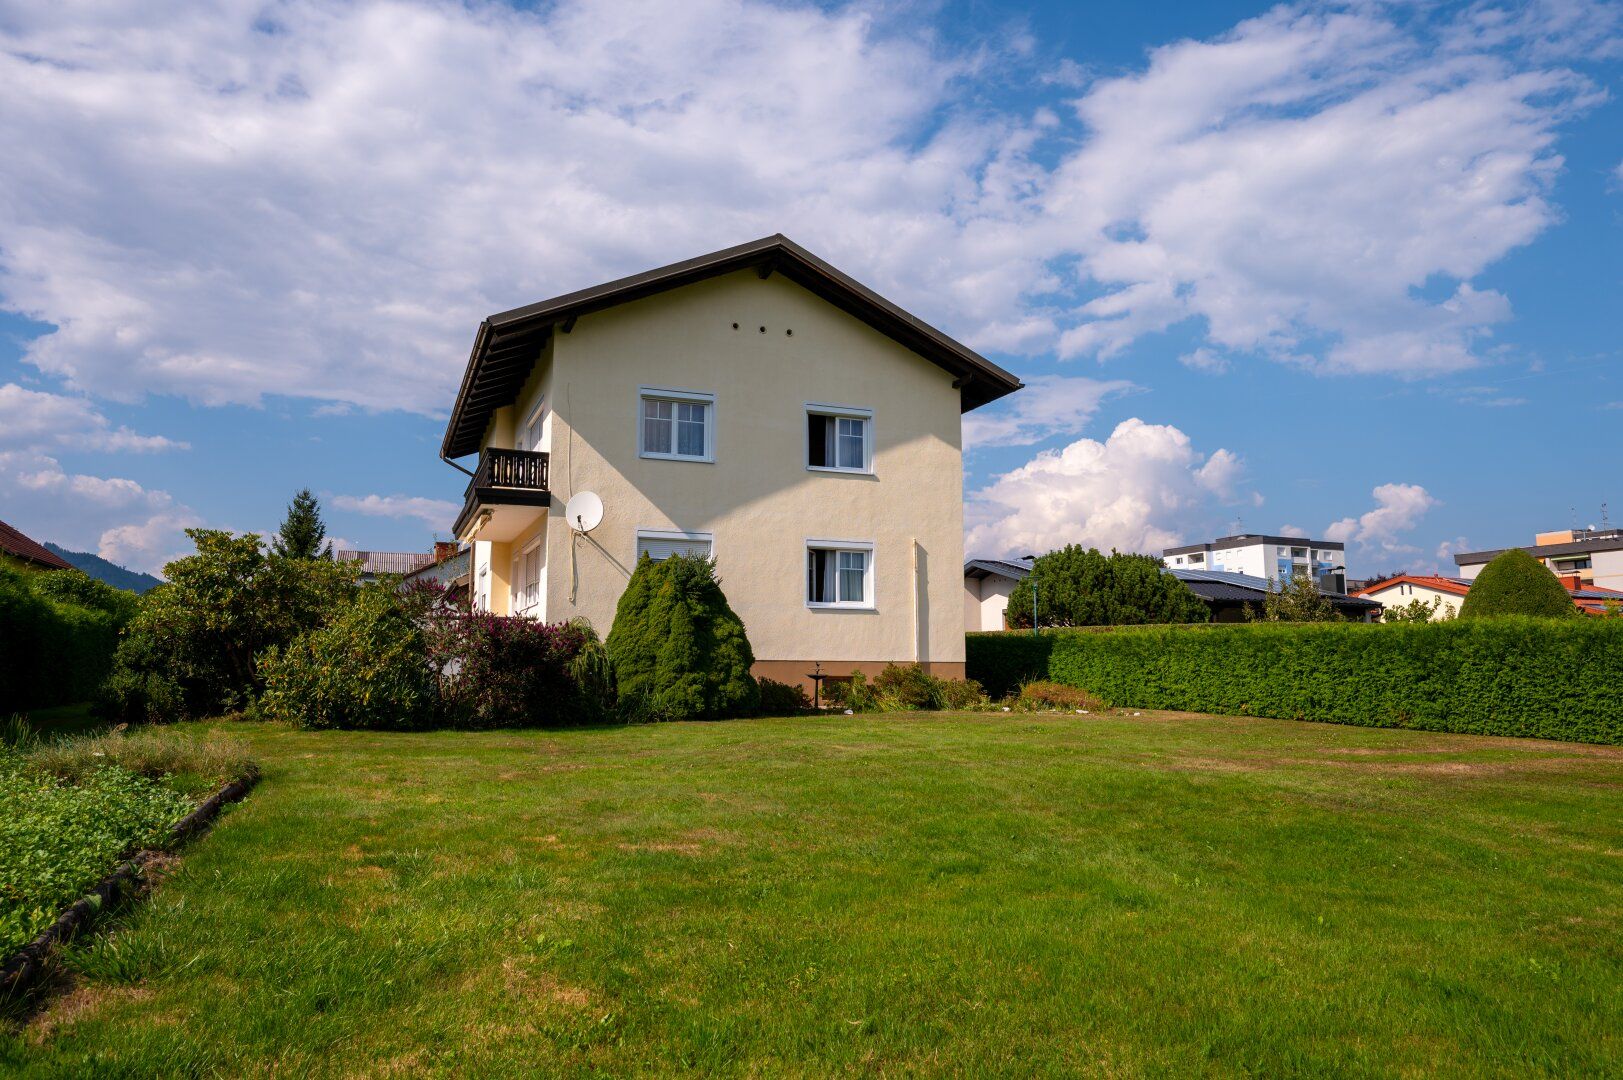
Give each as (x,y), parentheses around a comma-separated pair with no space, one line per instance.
(1345,269)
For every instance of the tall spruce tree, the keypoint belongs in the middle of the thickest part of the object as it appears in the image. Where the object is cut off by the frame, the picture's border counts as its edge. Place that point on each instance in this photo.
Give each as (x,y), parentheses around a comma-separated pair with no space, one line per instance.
(302,533)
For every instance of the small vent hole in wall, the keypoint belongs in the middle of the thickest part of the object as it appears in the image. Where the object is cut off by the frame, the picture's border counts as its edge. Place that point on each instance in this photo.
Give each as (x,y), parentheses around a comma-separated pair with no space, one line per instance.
(735,326)
(788,333)
(763,329)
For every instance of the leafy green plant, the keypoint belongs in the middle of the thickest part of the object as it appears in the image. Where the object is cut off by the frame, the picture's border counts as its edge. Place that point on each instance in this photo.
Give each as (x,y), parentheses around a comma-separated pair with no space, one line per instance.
(902,688)
(1515,583)
(1417,611)
(58,839)
(193,649)
(783,699)
(368,667)
(1298,600)
(1532,678)
(678,649)
(59,629)
(1077,586)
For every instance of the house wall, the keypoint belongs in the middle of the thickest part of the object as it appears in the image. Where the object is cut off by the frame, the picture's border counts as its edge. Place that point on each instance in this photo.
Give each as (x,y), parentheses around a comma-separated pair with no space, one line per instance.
(1405,593)
(758,498)
(986,600)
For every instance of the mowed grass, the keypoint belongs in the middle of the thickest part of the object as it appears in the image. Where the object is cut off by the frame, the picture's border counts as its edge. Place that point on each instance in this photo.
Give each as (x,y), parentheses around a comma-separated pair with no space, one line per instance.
(971,895)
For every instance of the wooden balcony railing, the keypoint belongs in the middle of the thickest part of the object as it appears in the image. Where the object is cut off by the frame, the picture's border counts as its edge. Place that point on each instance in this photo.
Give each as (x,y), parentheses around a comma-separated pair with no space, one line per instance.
(505,477)
(526,469)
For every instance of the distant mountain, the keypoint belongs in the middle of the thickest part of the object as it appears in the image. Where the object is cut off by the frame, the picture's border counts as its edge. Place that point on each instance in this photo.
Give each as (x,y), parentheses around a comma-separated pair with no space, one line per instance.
(102,570)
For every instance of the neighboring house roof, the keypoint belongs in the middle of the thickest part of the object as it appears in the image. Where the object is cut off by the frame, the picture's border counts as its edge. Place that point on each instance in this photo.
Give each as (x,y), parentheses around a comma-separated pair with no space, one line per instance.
(1454,586)
(507,343)
(1609,542)
(1016,569)
(18,546)
(446,571)
(1216,585)
(385,562)
(1590,598)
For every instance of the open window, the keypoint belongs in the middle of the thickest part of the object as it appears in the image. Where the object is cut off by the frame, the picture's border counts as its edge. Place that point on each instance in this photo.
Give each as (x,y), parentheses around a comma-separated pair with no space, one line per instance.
(839,573)
(676,425)
(839,439)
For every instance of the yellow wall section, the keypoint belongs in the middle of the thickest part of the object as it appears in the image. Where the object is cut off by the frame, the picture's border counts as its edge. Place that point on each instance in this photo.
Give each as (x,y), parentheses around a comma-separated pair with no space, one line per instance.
(758,498)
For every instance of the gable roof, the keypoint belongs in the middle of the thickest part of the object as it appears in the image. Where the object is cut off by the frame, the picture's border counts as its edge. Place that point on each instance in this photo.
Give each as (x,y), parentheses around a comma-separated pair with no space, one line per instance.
(508,343)
(1454,586)
(18,546)
(1016,569)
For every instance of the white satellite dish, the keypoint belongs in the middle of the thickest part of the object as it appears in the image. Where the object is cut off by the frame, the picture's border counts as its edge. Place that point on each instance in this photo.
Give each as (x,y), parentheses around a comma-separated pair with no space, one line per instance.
(584,511)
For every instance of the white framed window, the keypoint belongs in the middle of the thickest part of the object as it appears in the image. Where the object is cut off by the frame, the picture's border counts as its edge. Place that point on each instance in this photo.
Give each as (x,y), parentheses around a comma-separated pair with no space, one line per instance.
(481,589)
(676,425)
(527,579)
(839,574)
(532,436)
(660,544)
(839,438)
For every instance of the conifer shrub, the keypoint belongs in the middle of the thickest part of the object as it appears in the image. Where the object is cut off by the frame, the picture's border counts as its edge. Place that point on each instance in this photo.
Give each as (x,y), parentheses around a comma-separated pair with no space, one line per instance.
(678,649)
(1515,583)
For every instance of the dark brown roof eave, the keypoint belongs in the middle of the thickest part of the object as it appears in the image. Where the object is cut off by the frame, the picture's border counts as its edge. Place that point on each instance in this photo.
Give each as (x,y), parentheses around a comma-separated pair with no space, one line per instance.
(978,380)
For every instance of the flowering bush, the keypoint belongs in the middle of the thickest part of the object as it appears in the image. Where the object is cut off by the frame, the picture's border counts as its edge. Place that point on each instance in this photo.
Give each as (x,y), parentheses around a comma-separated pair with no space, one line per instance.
(496,671)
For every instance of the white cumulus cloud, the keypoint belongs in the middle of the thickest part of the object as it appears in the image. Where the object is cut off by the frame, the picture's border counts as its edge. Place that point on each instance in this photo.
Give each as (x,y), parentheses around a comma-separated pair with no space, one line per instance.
(1398,509)
(117,518)
(227,199)
(1050,405)
(437,514)
(1132,492)
(37,420)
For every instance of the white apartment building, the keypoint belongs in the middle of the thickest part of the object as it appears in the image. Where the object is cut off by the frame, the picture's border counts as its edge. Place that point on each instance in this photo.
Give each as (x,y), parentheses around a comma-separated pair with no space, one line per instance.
(1594,555)
(1277,558)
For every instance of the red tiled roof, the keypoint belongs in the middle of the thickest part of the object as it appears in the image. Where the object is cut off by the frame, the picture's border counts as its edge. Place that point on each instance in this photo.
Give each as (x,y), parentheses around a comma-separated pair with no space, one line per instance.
(16,544)
(1425,581)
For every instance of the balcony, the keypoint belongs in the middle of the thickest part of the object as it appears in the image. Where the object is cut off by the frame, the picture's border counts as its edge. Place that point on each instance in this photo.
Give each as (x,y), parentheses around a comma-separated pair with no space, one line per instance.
(512,486)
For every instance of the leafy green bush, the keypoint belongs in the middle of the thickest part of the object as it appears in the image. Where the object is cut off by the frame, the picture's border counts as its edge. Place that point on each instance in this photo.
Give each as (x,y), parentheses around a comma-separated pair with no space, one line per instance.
(1079,586)
(59,629)
(903,688)
(1533,678)
(193,648)
(1044,695)
(679,651)
(57,840)
(368,667)
(1002,662)
(1515,583)
(783,699)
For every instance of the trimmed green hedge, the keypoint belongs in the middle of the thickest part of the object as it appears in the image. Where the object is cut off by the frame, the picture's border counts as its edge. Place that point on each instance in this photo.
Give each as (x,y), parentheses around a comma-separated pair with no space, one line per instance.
(1531,678)
(54,650)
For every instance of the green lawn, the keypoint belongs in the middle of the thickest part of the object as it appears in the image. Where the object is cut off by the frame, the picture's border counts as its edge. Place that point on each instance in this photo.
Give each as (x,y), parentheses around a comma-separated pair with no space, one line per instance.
(916,895)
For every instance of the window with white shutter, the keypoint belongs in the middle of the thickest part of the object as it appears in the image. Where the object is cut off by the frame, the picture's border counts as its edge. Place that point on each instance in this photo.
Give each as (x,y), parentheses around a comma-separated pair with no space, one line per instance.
(659,544)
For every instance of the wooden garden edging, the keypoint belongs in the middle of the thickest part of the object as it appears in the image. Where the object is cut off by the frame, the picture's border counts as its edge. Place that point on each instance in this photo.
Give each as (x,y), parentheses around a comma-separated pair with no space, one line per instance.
(24,967)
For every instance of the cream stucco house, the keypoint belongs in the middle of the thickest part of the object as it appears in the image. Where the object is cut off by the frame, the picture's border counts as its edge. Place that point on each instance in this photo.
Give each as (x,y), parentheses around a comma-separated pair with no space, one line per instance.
(755,405)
